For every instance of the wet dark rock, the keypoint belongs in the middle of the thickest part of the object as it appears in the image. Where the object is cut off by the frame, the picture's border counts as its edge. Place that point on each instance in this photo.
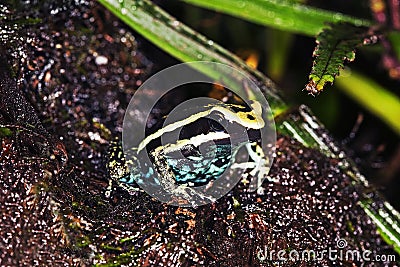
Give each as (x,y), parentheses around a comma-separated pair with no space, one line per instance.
(54,208)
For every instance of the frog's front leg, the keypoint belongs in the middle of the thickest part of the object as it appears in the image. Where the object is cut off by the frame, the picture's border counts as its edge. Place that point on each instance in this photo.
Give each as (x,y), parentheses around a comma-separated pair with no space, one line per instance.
(258,167)
(166,175)
(169,183)
(117,167)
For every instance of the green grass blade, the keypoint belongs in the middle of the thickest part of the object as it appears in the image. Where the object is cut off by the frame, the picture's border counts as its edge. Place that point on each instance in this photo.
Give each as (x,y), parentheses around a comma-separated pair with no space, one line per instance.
(185,44)
(372,96)
(279,45)
(394,38)
(386,221)
(284,15)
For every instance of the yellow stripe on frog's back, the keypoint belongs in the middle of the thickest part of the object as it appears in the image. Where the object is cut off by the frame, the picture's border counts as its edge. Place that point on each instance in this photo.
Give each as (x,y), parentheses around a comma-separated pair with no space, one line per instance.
(249,119)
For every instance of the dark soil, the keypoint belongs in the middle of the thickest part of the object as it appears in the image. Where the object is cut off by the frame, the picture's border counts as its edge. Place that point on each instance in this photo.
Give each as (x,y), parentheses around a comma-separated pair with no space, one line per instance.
(55,129)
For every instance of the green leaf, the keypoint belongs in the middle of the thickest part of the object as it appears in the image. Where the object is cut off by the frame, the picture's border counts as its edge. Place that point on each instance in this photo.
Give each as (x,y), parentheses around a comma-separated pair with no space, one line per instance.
(283,14)
(394,38)
(185,44)
(279,45)
(386,219)
(335,46)
(4,132)
(376,99)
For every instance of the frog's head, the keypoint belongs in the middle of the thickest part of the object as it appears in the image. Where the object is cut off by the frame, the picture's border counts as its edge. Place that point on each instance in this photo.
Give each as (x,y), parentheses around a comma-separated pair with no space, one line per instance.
(210,120)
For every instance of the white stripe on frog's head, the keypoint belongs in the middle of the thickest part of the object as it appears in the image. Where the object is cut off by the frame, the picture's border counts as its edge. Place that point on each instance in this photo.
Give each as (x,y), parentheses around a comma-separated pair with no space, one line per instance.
(249,119)
(195,141)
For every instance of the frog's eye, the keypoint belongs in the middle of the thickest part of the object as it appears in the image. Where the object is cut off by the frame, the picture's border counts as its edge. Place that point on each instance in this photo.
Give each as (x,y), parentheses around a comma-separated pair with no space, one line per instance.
(251,117)
(217,122)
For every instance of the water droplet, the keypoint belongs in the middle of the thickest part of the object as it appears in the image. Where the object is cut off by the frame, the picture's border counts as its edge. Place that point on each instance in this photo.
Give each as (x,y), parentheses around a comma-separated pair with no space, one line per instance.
(338,16)
(133,7)
(124,11)
(290,22)
(54,11)
(175,23)
(278,21)
(101,60)
(241,4)
(199,56)
(271,14)
(210,42)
